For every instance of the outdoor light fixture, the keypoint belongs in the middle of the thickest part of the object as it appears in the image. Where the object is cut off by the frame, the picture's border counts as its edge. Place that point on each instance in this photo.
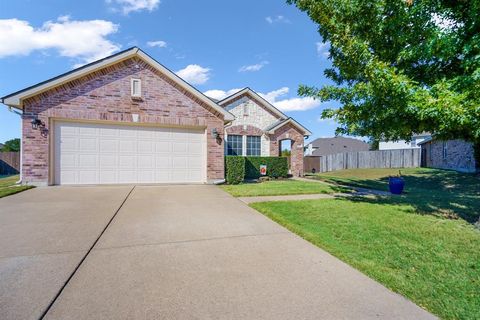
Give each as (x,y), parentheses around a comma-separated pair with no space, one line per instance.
(37,123)
(215,133)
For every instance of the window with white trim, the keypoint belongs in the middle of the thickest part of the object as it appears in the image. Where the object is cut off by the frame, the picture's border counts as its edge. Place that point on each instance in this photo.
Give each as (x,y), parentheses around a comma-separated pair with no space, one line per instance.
(136,88)
(234,145)
(253,146)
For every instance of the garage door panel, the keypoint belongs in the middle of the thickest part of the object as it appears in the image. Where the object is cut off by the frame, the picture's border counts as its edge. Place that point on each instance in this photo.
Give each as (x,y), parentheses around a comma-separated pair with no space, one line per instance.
(179,147)
(146,176)
(127,176)
(128,146)
(87,131)
(127,132)
(145,146)
(107,132)
(68,176)
(180,162)
(107,145)
(107,161)
(194,148)
(87,176)
(69,144)
(87,144)
(127,161)
(69,161)
(87,153)
(87,160)
(108,176)
(145,161)
(163,147)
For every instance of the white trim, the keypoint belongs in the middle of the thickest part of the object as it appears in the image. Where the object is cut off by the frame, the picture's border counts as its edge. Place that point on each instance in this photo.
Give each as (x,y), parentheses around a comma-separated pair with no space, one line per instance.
(292,121)
(255,95)
(16,100)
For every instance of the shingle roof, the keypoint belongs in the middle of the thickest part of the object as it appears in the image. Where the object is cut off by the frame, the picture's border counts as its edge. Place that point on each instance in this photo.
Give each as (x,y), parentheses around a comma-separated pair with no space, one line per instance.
(337,145)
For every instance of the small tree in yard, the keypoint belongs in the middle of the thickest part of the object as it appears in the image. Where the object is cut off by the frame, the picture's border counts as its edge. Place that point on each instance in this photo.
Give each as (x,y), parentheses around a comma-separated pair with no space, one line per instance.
(11,146)
(401,66)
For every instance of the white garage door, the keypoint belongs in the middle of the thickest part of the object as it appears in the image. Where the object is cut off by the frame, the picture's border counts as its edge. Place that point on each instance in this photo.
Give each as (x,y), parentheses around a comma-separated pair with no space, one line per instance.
(88,153)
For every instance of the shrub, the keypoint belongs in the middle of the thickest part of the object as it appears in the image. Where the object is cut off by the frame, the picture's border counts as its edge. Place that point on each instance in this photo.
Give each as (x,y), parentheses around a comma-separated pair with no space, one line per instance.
(234,169)
(276,167)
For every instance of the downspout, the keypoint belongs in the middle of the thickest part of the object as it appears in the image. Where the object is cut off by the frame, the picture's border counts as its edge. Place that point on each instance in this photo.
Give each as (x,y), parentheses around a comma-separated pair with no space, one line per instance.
(21,143)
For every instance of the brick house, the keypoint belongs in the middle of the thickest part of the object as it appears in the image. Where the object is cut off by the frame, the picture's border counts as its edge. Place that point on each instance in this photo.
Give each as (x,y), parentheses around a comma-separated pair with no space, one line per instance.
(259,129)
(123,119)
(449,154)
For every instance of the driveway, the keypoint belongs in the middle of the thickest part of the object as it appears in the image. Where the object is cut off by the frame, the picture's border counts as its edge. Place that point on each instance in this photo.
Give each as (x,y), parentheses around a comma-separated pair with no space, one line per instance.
(170,252)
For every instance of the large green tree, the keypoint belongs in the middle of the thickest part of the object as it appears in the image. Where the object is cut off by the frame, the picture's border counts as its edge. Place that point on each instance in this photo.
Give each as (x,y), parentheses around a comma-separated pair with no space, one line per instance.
(401,66)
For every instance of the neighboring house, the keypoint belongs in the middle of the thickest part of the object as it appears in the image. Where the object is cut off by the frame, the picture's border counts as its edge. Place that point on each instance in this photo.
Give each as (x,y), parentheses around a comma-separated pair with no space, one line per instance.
(450,154)
(125,119)
(259,129)
(326,146)
(1,146)
(403,144)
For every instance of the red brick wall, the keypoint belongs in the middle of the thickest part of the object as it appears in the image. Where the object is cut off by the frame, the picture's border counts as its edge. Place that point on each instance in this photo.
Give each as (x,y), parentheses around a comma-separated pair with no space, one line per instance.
(105,95)
(289,132)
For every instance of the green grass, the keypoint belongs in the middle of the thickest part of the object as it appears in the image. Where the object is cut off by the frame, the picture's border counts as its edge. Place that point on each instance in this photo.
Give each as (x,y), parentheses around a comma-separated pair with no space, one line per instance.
(7,188)
(433,261)
(430,191)
(281,187)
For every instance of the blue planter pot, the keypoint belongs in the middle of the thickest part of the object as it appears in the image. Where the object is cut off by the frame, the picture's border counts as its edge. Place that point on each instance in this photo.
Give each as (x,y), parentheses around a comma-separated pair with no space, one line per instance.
(396,185)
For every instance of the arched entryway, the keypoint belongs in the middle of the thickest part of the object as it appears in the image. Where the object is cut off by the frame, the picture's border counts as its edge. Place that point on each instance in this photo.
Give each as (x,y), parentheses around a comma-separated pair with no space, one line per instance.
(293,136)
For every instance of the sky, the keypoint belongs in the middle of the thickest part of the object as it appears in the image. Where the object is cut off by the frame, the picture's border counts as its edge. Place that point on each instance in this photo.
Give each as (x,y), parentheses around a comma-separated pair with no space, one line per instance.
(218,46)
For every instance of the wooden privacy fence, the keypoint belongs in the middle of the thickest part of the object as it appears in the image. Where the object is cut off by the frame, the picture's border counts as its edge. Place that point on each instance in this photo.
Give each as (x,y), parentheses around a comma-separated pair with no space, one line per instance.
(9,163)
(403,158)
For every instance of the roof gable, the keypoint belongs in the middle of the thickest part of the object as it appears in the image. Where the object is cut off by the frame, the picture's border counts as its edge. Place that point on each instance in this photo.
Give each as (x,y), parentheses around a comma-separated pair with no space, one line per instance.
(284,122)
(16,99)
(254,96)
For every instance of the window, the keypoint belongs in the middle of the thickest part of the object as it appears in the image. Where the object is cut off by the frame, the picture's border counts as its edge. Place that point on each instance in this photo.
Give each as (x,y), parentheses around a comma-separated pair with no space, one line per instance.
(444,150)
(136,88)
(245,109)
(234,145)
(253,146)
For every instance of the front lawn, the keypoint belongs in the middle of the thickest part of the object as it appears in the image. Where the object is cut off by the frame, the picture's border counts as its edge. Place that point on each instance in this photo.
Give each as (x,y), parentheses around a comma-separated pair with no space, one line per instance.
(432,191)
(433,261)
(279,187)
(7,186)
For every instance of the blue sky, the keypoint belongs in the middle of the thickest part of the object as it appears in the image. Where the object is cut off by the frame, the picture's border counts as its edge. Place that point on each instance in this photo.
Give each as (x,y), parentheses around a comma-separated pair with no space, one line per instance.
(216,45)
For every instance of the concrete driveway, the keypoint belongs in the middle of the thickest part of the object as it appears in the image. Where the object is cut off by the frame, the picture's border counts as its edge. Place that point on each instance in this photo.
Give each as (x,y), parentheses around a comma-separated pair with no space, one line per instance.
(170,252)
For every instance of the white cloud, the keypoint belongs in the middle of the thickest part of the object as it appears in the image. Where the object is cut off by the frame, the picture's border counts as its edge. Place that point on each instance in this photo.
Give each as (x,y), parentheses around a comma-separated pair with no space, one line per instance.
(253,67)
(194,74)
(84,40)
(277,19)
(157,43)
(127,6)
(275,98)
(220,94)
(289,104)
(322,49)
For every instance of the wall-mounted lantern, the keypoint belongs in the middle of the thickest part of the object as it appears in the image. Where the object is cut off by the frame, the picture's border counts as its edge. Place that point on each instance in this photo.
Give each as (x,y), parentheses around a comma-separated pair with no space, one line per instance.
(37,123)
(215,133)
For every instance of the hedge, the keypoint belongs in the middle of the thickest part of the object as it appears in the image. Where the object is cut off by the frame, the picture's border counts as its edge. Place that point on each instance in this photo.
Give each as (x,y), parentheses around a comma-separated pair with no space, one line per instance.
(234,169)
(276,167)
(238,168)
